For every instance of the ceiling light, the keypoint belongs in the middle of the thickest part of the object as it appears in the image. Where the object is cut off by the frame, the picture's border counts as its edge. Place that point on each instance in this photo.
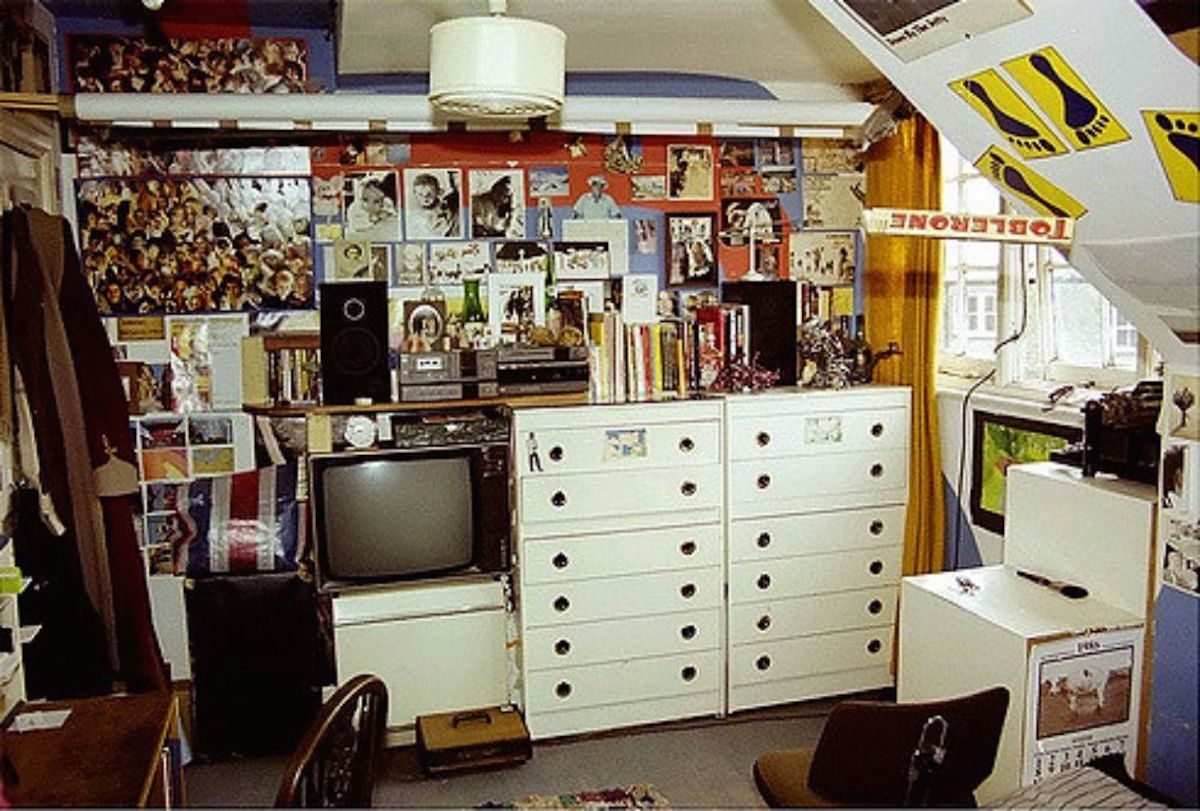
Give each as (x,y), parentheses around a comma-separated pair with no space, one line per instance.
(496,67)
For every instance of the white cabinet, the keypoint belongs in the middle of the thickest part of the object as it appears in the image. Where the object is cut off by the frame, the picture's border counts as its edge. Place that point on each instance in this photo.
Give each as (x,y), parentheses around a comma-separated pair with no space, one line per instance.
(817,485)
(12,670)
(620,554)
(438,647)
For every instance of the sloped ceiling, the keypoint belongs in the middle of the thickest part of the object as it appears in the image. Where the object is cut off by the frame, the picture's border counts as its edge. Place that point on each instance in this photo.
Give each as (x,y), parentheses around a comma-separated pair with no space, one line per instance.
(1137,242)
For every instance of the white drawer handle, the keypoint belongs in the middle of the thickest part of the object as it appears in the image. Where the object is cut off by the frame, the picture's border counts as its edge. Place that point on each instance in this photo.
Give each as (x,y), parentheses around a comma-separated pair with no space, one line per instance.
(876,470)
(562,647)
(560,560)
(874,646)
(559,499)
(763,439)
(688,632)
(763,662)
(687,444)
(556,453)
(764,622)
(764,481)
(875,606)
(876,527)
(562,689)
(688,673)
(876,566)
(877,429)
(688,548)
(688,489)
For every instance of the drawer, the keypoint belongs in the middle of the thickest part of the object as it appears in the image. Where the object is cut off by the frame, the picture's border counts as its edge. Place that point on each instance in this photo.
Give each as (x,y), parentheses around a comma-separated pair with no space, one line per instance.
(755,581)
(805,616)
(620,553)
(617,415)
(618,597)
(618,447)
(580,497)
(612,716)
(810,655)
(819,432)
(619,682)
(814,533)
(588,643)
(789,485)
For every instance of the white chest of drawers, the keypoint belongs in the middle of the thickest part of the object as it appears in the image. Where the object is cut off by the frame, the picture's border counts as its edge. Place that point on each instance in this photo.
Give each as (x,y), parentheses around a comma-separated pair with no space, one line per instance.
(817,484)
(620,558)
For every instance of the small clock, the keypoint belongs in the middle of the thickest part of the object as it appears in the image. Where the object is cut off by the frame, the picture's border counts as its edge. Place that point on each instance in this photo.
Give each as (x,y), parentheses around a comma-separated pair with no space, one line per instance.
(360,431)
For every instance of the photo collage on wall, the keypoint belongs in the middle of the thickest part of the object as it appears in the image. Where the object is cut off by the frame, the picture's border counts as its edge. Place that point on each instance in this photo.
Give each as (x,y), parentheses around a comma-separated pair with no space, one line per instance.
(1179,470)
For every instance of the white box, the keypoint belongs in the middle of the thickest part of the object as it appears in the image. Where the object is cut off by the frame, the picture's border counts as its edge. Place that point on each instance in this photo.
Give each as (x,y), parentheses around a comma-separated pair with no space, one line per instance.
(968,630)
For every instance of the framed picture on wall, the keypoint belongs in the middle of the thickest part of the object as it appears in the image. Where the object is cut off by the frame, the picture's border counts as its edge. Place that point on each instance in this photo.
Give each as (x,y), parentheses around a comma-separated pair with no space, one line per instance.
(1002,441)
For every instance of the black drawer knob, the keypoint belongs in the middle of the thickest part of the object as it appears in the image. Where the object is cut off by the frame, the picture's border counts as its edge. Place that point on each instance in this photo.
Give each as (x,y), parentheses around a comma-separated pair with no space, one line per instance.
(688,590)
(556,453)
(764,622)
(687,444)
(764,540)
(763,439)
(876,566)
(876,527)
(877,429)
(764,581)
(688,488)
(561,604)
(763,662)
(688,673)
(688,548)
(559,499)
(562,689)
(874,646)
(764,481)
(876,470)
(560,561)
(688,632)
(562,647)
(875,606)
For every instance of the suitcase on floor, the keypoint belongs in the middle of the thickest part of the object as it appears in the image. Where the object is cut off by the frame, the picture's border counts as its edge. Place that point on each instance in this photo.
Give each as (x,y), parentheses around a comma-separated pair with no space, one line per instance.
(471,740)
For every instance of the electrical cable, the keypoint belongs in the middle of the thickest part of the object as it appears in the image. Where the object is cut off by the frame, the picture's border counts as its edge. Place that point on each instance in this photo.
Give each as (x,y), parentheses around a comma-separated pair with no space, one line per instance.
(962,440)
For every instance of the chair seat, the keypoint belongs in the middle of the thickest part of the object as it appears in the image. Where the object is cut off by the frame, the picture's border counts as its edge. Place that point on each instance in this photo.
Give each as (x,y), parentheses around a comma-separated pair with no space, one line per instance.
(782,779)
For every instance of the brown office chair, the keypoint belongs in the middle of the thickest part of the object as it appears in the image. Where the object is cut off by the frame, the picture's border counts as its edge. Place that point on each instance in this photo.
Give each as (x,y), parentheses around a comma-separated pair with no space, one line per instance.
(334,765)
(876,753)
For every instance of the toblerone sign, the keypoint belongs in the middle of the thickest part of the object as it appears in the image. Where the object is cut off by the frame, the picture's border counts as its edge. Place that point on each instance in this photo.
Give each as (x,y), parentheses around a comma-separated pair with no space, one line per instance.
(947,225)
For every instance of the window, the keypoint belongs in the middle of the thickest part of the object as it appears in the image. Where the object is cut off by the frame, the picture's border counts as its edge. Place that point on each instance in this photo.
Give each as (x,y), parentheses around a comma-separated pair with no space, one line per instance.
(1069,331)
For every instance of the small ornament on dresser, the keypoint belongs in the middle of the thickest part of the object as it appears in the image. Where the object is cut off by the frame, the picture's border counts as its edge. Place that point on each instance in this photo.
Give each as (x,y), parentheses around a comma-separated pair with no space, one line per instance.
(831,359)
(744,377)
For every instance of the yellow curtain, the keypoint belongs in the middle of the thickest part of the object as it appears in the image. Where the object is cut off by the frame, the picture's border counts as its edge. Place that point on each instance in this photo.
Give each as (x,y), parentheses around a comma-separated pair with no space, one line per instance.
(902,304)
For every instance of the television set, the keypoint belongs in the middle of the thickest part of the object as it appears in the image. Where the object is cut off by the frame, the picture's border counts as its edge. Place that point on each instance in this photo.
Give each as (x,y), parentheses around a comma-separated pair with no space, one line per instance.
(409,514)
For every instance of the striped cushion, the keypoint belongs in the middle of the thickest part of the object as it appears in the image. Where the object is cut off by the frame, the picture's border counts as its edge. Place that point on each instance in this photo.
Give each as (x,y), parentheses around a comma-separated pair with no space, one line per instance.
(1078,788)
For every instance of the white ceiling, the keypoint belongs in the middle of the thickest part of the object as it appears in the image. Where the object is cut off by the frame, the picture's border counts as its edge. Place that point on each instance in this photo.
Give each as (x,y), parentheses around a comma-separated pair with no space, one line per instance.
(782,44)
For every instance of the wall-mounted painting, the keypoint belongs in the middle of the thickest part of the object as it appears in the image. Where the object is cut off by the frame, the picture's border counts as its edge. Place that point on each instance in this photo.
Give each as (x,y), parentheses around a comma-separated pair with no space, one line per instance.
(1002,441)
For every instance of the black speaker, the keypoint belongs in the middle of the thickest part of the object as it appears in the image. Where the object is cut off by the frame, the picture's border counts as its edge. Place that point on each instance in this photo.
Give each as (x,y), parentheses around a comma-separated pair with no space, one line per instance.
(772,323)
(354,350)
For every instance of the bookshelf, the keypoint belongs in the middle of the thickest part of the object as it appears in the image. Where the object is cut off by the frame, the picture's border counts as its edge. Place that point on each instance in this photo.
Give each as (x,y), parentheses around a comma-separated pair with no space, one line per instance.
(282,369)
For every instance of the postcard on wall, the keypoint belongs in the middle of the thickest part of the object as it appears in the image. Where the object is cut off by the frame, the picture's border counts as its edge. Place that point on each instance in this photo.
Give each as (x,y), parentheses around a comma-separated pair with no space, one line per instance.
(450,261)
(581,260)
(776,152)
(834,201)
(351,261)
(614,232)
(1181,553)
(548,181)
(689,172)
(497,203)
(760,218)
(1180,416)
(648,187)
(516,303)
(831,156)
(409,267)
(822,257)
(520,257)
(739,182)
(433,203)
(639,298)
(371,203)
(736,152)
(914,28)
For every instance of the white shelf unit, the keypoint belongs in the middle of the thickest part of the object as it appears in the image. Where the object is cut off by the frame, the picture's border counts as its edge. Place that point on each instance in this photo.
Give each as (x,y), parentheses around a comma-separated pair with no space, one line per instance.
(620,550)
(817,487)
(12,670)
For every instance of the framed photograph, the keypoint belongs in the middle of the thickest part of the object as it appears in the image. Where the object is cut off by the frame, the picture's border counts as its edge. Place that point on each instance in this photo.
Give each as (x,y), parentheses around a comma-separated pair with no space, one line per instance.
(689,172)
(497,203)
(581,260)
(691,249)
(548,181)
(1001,441)
(760,217)
(516,303)
(424,325)
(409,268)
(822,257)
(433,203)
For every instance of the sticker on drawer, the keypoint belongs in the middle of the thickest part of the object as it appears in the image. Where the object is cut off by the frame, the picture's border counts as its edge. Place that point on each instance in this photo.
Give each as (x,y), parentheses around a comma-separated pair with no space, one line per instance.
(624,443)
(823,430)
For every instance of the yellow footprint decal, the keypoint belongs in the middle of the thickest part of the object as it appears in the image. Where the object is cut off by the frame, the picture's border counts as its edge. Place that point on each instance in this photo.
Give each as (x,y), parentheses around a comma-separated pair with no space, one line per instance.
(1064,97)
(1176,137)
(991,97)
(1037,191)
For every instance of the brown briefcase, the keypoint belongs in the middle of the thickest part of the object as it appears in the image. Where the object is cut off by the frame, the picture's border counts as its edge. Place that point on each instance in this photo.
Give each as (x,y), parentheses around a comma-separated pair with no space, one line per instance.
(468,740)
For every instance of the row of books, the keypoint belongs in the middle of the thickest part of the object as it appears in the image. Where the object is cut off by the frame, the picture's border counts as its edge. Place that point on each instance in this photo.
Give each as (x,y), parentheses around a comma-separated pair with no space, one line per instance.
(667,359)
(294,376)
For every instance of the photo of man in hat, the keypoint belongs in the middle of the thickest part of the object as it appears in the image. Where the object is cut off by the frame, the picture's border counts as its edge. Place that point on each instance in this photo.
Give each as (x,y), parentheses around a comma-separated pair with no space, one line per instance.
(597,204)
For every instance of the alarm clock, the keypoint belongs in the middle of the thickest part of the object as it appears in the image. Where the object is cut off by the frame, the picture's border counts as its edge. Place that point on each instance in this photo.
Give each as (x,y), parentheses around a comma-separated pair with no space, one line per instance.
(360,431)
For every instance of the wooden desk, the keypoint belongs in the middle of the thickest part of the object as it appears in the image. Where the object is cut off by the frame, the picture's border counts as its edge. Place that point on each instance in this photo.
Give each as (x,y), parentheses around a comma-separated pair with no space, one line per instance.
(112,751)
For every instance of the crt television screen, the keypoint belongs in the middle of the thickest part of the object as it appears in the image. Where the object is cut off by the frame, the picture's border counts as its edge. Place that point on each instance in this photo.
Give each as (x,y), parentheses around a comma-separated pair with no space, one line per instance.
(396,516)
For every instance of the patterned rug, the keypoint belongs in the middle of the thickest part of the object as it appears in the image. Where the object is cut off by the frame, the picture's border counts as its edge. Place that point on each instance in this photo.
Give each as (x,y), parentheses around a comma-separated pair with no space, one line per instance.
(636,796)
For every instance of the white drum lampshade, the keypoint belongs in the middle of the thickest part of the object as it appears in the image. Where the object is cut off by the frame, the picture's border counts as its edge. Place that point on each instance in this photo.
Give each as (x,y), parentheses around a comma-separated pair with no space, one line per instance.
(496,67)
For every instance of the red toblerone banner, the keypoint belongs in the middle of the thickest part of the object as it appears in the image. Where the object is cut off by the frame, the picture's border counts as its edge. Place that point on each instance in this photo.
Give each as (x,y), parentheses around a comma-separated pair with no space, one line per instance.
(947,225)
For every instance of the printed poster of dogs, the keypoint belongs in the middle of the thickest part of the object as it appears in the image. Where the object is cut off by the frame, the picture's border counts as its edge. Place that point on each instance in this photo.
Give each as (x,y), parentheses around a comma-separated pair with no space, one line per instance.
(497,203)
(1084,691)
